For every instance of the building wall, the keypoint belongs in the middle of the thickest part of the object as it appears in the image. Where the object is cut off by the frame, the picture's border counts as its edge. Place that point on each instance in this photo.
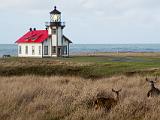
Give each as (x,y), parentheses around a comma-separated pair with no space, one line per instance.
(30,45)
(36,49)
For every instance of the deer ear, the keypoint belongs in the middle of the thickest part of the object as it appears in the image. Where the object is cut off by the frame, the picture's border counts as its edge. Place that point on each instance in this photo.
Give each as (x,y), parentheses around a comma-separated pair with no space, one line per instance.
(113,90)
(120,90)
(156,78)
(147,80)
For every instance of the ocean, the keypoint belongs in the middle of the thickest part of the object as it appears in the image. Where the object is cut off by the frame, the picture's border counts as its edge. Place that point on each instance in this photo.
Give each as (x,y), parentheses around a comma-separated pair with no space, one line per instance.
(92,48)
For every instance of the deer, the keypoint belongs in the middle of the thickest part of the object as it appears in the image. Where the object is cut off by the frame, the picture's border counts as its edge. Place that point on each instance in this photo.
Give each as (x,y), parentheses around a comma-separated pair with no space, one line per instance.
(107,103)
(153,92)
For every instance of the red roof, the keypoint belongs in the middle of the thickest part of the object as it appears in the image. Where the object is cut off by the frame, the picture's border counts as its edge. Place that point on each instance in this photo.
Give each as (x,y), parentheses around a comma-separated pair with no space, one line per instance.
(37,36)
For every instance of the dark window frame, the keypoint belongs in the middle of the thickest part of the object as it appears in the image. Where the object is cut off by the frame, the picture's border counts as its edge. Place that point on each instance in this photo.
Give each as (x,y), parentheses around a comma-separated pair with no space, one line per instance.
(65,50)
(46,52)
(20,49)
(53,49)
(54,31)
(40,49)
(26,50)
(33,50)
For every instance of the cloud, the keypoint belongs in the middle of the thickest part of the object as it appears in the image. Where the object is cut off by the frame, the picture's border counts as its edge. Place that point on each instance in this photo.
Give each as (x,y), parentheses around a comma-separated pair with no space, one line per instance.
(107,10)
(122,11)
(23,5)
(95,17)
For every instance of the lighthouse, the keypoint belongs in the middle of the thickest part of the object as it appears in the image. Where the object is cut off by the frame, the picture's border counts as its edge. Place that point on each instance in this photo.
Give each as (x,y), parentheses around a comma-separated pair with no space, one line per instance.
(50,42)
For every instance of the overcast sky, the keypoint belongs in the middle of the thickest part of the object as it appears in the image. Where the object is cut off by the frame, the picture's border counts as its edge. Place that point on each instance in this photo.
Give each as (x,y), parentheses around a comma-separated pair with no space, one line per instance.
(87,21)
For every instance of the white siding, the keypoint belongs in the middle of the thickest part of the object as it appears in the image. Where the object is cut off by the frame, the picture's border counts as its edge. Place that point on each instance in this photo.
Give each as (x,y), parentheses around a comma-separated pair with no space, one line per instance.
(54,43)
(23,49)
(49,31)
(60,36)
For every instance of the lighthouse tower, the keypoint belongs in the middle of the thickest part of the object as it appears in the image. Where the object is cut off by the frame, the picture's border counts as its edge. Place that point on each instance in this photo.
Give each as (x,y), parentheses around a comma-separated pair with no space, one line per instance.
(55,30)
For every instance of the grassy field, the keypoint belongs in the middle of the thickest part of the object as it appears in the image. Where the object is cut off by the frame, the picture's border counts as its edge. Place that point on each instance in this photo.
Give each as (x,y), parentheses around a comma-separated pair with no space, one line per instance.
(71,98)
(65,88)
(91,66)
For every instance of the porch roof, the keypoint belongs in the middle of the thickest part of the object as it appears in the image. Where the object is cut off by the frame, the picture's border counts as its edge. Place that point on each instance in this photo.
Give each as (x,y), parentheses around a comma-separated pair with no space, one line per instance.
(67,39)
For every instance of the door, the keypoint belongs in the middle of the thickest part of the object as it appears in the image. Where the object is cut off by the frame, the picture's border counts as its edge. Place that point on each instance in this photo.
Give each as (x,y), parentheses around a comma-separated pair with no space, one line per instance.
(59,51)
(45,50)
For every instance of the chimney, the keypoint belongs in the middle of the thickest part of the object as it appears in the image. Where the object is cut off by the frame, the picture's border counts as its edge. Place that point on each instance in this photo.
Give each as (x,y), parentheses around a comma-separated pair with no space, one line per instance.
(34,29)
(30,29)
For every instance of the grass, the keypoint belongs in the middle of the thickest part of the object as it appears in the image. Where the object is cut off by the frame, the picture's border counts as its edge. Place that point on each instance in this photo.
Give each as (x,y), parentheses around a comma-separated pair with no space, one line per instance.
(84,66)
(71,98)
(65,88)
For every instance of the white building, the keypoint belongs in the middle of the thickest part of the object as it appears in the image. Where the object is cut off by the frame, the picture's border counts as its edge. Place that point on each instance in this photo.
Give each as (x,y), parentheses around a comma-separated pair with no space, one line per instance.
(45,43)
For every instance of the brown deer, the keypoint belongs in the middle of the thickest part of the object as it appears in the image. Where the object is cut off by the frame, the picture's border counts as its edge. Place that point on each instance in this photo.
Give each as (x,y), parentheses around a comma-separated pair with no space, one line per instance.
(153,92)
(107,103)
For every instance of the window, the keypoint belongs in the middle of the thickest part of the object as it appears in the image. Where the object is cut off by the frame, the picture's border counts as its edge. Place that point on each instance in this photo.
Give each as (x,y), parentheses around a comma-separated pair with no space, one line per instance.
(54,31)
(20,49)
(45,50)
(39,50)
(26,51)
(53,49)
(65,49)
(33,50)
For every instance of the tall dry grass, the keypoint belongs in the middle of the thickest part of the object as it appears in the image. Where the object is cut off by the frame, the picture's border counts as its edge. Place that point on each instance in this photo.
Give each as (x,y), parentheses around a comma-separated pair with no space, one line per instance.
(71,98)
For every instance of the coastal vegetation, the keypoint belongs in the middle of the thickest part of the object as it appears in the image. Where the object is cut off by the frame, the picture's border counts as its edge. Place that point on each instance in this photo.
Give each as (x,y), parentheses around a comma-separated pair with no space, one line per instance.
(67,88)
(89,66)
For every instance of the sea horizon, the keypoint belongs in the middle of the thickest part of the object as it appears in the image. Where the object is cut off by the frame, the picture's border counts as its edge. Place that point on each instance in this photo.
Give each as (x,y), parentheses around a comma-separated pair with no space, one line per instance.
(11,49)
(96,43)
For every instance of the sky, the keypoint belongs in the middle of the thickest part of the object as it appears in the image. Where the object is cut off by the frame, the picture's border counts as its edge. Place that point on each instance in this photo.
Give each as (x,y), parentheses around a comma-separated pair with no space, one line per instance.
(87,21)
